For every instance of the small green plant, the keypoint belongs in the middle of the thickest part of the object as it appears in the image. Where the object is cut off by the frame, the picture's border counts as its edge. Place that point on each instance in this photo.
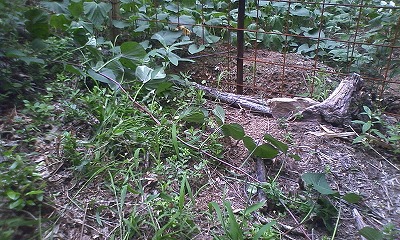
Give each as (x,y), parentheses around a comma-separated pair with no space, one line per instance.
(238,227)
(322,207)
(20,184)
(376,130)
(389,232)
(320,87)
(21,192)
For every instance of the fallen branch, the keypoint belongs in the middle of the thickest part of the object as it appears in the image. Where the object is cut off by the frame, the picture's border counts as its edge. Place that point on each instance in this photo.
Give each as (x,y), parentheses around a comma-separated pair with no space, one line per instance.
(253,104)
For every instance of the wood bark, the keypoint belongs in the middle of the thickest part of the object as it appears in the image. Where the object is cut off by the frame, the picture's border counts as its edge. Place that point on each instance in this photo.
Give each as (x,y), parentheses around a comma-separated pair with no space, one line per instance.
(335,109)
(253,104)
(114,16)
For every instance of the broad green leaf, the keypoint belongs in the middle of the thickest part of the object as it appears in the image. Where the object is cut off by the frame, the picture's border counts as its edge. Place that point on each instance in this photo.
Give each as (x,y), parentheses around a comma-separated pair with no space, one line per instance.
(371,233)
(352,198)
(367,110)
(253,208)
(120,24)
(97,13)
(17,204)
(192,115)
(173,58)
(133,51)
(318,182)
(233,130)
(74,70)
(143,73)
(29,60)
(300,11)
(366,126)
(172,7)
(188,3)
(249,143)
(314,33)
(175,139)
(132,54)
(183,20)
(59,21)
(13,195)
(15,53)
(57,7)
(37,23)
(167,38)
(142,27)
(219,113)
(158,73)
(394,138)
(76,8)
(99,77)
(163,86)
(193,48)
(39,45)
(358,121)
(359,139)
(278,144)
(266,151)
(35,192)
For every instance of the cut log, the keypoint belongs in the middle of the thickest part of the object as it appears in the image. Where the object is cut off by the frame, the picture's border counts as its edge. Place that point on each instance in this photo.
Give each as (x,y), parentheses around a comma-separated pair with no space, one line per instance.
(336,108)
(253,104)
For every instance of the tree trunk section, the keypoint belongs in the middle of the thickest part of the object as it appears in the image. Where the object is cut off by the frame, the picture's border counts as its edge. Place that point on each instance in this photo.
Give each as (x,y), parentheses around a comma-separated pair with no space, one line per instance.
(335,109)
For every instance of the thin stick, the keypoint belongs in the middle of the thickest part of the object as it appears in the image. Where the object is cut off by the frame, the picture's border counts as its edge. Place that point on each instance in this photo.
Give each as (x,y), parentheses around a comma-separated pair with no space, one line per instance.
(83,221)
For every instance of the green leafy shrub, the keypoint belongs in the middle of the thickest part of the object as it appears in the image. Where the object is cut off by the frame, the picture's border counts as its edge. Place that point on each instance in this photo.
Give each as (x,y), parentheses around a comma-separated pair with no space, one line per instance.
(21,191)
(375,130)
(21,185)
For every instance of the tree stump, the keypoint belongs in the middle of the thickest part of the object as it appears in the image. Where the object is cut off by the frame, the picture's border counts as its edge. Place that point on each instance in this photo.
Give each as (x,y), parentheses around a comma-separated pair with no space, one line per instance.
(336,108)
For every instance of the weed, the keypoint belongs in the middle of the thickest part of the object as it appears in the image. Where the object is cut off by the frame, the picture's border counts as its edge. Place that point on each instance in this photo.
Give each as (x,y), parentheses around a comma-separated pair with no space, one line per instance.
(238,227)
(21,190)
(320,87)
(377,131)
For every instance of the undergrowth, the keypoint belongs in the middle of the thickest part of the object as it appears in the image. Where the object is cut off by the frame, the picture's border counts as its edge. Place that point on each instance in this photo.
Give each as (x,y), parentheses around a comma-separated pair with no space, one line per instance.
(132,144)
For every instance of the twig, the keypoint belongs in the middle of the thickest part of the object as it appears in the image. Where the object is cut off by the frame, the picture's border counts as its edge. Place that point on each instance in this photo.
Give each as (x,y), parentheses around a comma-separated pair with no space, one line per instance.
(297,222)
(359,221)
(83,221)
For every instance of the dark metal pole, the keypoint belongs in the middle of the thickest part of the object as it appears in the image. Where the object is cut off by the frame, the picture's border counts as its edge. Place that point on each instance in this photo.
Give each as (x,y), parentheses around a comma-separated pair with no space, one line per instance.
(240,47)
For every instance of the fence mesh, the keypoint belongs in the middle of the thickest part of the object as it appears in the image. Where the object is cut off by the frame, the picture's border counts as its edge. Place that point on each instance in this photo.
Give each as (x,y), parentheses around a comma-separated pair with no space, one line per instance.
(284,48)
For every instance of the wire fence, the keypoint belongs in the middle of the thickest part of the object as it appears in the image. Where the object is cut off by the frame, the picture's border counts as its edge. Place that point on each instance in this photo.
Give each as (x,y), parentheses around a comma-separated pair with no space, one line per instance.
(285,47)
